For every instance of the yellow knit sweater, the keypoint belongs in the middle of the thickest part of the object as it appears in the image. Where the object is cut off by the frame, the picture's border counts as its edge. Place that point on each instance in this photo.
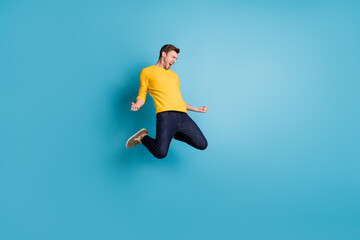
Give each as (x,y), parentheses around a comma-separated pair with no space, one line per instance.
(163,86)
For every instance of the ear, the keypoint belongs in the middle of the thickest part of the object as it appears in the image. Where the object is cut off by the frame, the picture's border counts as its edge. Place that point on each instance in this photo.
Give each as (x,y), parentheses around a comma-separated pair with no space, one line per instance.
(163,54)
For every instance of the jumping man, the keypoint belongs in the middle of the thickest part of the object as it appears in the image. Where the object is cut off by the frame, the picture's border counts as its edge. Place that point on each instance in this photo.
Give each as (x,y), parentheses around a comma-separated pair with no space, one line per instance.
(172,120)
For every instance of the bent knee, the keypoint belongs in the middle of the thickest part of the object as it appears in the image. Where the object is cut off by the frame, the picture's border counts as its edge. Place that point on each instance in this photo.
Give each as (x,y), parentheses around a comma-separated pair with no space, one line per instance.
(161,155)
(202,146)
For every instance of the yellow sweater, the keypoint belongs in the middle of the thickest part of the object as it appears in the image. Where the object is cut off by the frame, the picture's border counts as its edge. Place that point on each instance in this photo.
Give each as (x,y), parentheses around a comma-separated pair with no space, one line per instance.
(163,86)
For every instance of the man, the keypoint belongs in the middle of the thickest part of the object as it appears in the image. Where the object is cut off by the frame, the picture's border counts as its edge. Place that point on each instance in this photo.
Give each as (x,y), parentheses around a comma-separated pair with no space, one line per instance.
(172,120)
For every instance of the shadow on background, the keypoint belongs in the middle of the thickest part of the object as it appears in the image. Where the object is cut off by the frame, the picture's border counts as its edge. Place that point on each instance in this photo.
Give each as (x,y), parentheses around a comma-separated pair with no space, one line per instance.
(126,122)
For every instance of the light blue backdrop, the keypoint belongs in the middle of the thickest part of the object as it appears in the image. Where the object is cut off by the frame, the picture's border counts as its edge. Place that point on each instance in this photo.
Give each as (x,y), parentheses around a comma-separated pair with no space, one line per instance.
(281,83)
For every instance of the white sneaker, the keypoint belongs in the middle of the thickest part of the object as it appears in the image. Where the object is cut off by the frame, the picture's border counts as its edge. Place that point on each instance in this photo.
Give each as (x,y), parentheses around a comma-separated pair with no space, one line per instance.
(134,140)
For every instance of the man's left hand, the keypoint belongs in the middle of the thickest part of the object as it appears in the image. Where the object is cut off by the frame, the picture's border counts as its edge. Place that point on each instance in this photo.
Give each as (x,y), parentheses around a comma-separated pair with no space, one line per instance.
(202,109)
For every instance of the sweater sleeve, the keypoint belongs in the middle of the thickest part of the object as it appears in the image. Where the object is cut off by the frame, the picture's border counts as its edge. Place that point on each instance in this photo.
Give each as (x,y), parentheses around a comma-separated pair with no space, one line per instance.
(143,85)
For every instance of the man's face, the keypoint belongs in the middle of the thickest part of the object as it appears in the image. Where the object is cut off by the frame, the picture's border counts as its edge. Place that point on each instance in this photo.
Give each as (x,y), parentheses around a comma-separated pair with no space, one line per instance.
(170,59)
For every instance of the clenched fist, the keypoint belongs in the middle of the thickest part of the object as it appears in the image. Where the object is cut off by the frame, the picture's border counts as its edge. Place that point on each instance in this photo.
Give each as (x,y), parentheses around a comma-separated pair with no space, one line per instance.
(202,109)
(134,107)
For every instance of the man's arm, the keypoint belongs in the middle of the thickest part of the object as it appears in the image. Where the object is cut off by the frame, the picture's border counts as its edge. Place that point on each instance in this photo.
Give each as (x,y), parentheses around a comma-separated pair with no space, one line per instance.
(143,85)
(202,109)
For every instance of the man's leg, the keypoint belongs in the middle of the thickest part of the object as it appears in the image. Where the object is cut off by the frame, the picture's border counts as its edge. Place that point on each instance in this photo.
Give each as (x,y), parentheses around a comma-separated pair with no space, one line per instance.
(190,133)
(166,127)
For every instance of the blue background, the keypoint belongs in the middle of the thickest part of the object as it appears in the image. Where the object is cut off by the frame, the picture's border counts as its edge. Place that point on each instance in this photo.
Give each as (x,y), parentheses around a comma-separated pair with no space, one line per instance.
(281,83)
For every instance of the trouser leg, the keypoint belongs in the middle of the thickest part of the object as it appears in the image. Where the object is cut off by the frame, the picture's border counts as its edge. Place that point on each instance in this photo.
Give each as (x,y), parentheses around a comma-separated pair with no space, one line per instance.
(166,127)
(190,133)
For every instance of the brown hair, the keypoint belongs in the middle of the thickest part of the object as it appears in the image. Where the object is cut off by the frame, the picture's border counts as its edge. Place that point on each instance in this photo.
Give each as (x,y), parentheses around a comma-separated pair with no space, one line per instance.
(167,48)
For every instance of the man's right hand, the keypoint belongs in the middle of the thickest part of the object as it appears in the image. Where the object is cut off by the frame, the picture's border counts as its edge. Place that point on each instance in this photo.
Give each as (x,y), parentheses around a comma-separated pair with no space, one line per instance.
(134,107)
(137,105)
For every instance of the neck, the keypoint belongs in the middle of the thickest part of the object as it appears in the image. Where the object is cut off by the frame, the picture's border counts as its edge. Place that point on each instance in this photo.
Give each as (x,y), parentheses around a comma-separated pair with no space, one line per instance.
(160,63)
